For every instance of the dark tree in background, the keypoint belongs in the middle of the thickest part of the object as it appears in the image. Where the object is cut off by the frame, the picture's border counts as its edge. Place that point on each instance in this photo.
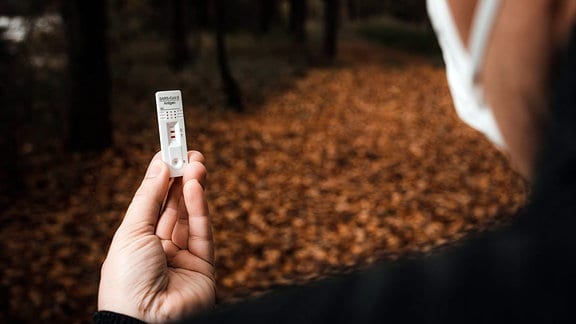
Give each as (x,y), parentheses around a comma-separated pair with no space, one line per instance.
(17,92)
(228,83)
(268,13)
(297,22)
(11,95)
(352,9)
(89,85)
(411,11)
(197,15)
(178,52)
(201,13)
(331,20)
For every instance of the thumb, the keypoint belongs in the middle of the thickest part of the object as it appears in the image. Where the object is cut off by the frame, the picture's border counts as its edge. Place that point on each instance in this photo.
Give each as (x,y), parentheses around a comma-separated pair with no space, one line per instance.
(145,206)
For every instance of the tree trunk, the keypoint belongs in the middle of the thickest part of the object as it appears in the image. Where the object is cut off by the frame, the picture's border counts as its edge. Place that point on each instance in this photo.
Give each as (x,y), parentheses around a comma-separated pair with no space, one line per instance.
(201,13)
(268,12)
(228,83)
(13,100)
(298,16)
(352,10)
(88,95)
(178,55)
(331,17)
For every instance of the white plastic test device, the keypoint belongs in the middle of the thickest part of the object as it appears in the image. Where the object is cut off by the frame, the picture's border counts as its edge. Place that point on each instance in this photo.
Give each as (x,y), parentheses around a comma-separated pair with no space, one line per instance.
(172,131)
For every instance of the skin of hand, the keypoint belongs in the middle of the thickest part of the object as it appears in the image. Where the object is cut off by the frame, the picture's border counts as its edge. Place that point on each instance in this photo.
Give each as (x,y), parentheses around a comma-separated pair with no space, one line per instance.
(160,265)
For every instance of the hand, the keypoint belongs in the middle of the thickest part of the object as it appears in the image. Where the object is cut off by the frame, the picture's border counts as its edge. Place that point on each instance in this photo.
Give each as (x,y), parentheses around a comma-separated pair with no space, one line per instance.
(160,265)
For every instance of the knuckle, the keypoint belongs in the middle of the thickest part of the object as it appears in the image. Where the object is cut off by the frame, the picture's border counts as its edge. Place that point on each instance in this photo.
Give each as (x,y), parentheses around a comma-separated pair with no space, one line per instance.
(196,156)
(199,169)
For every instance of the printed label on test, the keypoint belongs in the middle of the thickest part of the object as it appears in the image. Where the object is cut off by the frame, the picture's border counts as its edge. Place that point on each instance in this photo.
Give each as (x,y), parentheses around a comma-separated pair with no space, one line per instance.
(172,131)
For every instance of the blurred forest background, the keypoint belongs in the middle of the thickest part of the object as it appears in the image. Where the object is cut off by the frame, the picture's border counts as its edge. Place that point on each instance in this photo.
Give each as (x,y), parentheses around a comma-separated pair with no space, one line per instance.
(327,126)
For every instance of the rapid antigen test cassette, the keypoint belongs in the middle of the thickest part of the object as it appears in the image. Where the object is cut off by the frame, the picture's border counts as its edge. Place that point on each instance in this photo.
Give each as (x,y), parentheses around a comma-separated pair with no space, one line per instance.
(172,130)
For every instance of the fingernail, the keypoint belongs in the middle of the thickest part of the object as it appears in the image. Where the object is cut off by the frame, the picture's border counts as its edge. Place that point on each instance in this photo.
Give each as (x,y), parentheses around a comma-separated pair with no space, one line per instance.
(154,169)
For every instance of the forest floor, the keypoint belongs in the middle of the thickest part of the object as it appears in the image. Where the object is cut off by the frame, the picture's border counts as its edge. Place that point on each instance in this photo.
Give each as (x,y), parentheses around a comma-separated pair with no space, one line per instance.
(331,169)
